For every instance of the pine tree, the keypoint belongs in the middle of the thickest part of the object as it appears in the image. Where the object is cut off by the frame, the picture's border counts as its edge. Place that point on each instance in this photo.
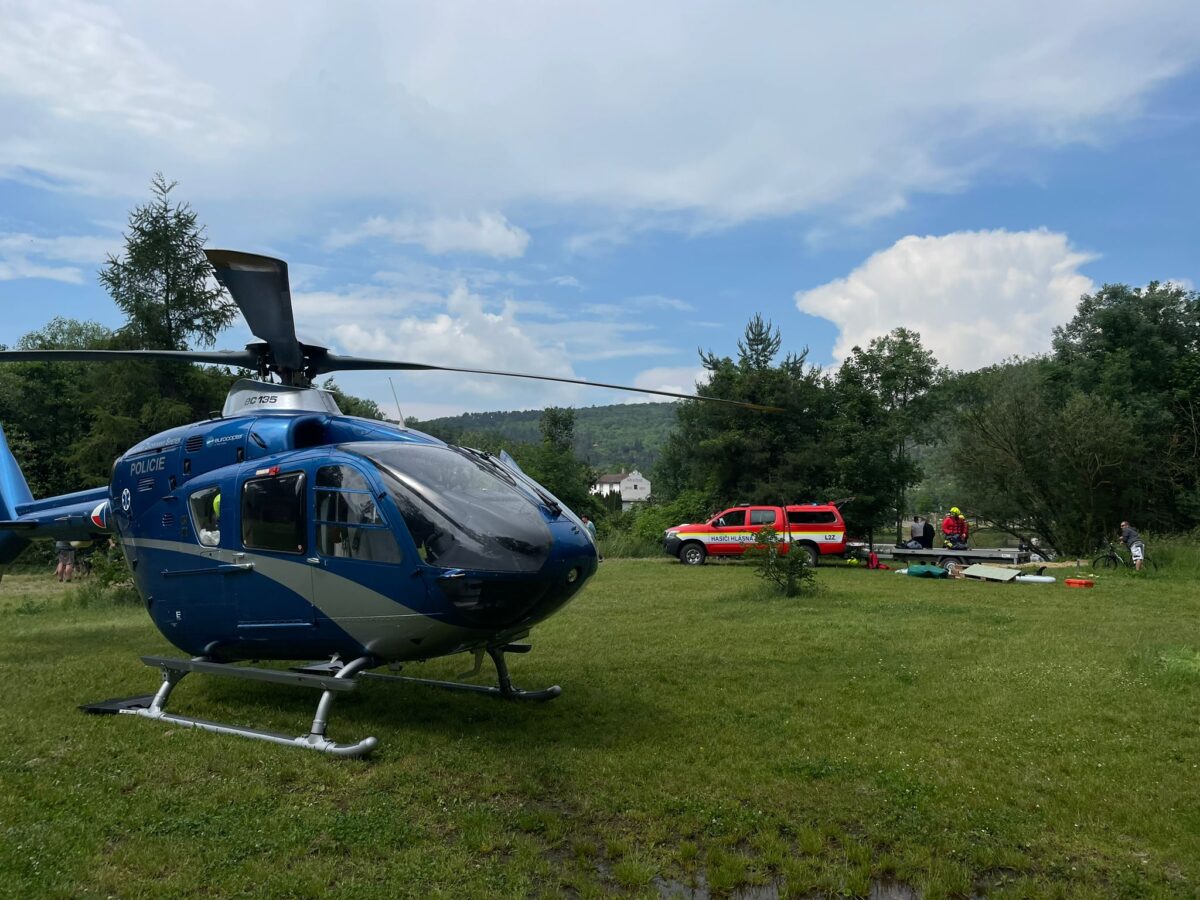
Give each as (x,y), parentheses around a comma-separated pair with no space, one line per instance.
(163,282)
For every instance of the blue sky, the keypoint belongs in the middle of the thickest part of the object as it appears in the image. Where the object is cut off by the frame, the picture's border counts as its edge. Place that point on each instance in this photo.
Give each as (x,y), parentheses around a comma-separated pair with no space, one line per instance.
(596,190)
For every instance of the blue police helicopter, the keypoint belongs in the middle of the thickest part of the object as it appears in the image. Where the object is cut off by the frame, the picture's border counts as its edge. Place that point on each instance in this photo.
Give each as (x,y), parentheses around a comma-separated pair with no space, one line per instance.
(285,530)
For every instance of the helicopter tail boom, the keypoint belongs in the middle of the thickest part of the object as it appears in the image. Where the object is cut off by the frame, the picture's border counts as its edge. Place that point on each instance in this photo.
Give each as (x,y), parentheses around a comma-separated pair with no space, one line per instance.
(71,517)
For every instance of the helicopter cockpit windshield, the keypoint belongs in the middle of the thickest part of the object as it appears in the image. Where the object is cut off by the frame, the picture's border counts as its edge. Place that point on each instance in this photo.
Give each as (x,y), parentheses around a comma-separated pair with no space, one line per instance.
(462,512)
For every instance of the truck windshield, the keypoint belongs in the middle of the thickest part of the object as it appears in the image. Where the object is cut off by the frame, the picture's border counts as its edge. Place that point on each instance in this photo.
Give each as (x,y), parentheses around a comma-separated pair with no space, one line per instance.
(461,513)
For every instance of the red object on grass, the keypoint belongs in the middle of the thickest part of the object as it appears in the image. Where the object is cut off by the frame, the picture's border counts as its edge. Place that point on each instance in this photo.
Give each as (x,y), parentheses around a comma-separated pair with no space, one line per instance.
(1079,582)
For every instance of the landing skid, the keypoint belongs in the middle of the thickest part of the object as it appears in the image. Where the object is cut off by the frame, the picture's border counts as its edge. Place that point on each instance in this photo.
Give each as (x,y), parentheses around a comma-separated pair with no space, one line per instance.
(332,677)
(174,670)
(505,690)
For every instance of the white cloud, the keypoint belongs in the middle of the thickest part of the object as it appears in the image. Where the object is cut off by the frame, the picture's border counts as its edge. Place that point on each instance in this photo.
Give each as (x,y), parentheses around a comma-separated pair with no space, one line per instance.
(487,234)
(661,302)
(569,281)
(599,240)
(460,327)
(762,110)
(460,330)
(976,297)
(88,101)
(30,256)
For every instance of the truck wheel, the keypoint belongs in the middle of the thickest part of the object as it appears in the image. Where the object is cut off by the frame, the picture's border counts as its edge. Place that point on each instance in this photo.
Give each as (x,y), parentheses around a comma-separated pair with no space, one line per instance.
(952,565)
(692,554)
(808,551)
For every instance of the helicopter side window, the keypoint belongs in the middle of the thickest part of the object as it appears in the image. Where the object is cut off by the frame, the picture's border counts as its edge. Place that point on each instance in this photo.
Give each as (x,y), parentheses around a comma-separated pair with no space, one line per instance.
(205,507)
(273,513)
(349,523)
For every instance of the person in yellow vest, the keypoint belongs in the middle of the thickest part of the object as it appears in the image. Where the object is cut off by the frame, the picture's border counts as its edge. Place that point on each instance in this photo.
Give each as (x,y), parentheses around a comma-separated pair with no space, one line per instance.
(210,537)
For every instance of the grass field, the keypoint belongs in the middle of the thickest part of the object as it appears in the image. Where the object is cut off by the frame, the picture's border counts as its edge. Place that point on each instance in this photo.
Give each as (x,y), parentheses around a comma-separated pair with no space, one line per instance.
(955,738)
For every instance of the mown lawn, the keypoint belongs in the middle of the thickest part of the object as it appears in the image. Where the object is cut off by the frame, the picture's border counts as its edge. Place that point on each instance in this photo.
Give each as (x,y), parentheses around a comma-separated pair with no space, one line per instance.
(958,738)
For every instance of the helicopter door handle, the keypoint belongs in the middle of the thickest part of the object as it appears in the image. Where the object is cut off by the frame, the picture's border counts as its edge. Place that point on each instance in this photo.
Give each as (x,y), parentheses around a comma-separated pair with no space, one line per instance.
(313,560)
(456,573)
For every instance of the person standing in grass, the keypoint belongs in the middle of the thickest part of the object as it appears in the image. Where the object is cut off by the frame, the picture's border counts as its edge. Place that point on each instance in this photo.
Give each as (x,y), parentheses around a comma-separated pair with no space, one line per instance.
(65,570)
(1131,539)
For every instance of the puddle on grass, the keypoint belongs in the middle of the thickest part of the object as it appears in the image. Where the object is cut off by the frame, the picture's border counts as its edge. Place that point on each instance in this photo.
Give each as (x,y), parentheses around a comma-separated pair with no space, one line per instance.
(677,890)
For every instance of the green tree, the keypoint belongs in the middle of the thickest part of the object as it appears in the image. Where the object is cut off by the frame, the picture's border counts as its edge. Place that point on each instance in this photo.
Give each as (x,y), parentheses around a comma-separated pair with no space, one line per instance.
(790,573)
(45,408)
(558,428)
(162,282)
(1037,456)
(1136,348)
(1126,343)
(882,396)
(734,454)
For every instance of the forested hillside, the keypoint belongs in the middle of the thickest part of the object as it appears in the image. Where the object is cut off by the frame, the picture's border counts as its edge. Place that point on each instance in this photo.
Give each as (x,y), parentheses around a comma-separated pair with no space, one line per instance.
(610,438)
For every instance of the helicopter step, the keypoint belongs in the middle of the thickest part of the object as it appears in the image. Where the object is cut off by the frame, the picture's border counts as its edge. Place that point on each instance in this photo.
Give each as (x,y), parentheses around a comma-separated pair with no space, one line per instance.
(174,670)
(505,690)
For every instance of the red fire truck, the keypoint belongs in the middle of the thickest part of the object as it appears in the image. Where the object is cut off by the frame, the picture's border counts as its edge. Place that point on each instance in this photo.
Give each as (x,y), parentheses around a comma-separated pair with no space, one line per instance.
(815,529)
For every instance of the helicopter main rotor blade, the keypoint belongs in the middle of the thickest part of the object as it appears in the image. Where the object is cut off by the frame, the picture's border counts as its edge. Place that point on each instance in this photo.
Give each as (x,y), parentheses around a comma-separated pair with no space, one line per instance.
(238,358)
(259,286)
(332,363)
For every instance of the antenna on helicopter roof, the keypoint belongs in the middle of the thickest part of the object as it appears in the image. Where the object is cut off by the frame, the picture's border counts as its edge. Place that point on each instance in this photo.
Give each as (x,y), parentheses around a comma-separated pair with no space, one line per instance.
(399,413)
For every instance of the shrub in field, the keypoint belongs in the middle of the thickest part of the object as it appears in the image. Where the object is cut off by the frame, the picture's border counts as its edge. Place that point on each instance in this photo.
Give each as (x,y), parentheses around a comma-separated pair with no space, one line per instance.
(111,583)
(1178,552)
(638,532)
(789,572)
(652,519)
(625,545)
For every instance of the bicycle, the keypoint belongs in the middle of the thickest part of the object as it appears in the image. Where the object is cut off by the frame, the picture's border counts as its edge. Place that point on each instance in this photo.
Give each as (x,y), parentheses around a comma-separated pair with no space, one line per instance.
(1114,558)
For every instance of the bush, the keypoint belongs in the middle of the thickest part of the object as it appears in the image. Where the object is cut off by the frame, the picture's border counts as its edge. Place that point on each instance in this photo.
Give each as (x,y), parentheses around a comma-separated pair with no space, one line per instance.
(109,567)
(653,519)
(1178,552)
(88,594)
(638,532)
(624,545)
(111,583)
(789,572)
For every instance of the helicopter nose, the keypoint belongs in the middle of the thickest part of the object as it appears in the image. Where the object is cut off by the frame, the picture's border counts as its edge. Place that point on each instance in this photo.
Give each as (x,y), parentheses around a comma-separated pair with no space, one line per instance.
(500,600)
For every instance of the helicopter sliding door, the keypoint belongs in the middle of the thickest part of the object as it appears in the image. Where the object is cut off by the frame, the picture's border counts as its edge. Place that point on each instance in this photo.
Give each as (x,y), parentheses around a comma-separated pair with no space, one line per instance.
(362,578)
(274,535)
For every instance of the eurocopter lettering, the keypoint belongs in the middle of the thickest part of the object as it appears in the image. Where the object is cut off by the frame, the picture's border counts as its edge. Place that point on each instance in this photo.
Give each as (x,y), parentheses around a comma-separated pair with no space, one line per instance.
(284,530)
